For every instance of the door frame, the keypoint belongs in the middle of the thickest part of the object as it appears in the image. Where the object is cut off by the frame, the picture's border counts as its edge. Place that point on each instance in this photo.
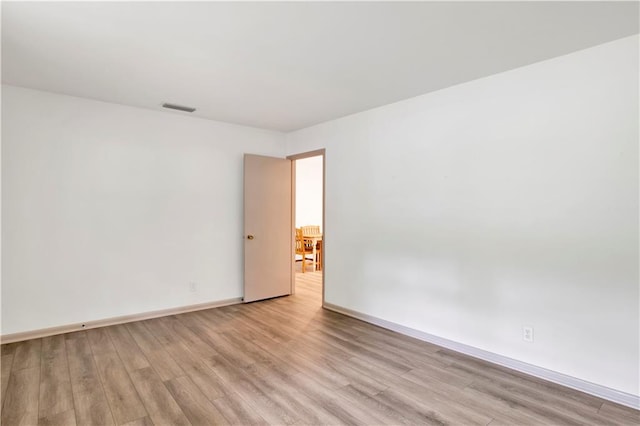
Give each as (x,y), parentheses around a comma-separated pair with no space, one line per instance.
(316,153)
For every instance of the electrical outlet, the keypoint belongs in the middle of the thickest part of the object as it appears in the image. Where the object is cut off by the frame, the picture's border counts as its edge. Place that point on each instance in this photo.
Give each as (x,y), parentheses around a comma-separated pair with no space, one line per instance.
(193,287)
(527,333)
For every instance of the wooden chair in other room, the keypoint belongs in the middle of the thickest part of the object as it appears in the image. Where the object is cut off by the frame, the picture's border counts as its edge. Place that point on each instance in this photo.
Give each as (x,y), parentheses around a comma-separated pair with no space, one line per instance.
(319,256)
(303,248)
(310,230)
(315,230)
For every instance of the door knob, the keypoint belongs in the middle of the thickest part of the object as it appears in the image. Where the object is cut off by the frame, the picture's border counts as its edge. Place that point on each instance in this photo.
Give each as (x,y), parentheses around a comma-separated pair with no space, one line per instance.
(249,237)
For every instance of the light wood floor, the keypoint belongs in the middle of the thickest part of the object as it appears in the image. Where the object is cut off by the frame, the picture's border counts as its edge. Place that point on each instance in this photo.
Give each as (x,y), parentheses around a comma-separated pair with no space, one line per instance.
(281,361)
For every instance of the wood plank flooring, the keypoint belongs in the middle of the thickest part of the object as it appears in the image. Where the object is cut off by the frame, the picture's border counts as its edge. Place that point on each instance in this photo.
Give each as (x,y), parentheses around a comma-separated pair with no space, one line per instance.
(280,361)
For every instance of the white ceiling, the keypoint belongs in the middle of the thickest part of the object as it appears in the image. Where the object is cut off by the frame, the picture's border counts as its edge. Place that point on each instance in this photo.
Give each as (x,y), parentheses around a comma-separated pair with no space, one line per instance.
(287,65)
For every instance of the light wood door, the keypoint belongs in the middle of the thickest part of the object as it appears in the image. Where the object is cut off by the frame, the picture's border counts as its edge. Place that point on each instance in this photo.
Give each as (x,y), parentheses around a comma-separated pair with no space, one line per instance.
(268,241)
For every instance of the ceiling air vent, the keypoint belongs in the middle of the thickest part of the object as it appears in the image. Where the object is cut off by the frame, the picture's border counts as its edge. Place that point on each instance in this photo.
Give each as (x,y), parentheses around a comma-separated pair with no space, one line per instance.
(178,107)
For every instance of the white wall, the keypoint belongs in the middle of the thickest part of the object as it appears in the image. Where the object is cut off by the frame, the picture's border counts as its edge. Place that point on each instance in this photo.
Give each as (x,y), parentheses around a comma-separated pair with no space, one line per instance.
(309,191)
(109,210)
(510,200)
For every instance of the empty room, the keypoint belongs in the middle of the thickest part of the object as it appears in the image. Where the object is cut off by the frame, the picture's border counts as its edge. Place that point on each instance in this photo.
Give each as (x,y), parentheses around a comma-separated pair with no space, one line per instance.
(320,213)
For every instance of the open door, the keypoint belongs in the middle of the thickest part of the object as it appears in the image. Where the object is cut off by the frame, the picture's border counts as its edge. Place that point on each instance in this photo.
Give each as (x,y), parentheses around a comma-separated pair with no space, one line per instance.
(268,240)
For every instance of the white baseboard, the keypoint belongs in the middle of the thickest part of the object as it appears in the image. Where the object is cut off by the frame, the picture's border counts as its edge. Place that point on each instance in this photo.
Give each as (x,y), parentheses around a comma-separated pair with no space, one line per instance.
(600,391)
(44,332)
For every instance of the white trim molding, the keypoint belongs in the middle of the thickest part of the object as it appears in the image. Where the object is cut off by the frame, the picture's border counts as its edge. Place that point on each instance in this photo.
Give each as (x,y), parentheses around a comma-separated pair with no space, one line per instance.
(600,391)
(44,332)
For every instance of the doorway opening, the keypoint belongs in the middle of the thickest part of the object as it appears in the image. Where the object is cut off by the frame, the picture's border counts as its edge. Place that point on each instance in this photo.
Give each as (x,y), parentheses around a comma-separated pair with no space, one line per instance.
(308,264)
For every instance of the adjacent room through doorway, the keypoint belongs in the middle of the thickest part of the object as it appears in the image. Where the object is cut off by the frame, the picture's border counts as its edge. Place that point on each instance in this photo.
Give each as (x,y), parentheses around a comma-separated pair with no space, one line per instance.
(308,213)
